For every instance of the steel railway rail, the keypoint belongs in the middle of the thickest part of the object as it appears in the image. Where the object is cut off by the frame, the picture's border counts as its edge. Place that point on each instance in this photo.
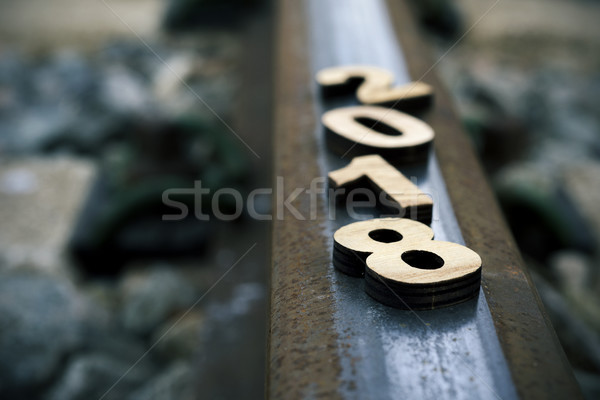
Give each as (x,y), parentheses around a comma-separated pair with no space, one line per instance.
(327,338)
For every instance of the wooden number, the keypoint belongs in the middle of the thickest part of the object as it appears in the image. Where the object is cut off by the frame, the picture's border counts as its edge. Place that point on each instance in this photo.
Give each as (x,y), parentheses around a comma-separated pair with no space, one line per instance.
(403,267)
(400,193)
(398,137)
(375,86)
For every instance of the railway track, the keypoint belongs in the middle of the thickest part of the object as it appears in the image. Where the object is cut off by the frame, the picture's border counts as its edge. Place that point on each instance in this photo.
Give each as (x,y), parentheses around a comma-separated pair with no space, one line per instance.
(329,339)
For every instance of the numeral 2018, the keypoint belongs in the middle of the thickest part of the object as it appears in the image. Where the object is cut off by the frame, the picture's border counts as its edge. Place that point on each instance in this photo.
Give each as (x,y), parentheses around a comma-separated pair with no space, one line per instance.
(402,266)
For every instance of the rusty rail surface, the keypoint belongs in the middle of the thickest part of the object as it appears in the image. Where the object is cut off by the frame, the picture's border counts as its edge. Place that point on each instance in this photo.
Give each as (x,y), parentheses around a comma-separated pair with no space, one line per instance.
(327,338)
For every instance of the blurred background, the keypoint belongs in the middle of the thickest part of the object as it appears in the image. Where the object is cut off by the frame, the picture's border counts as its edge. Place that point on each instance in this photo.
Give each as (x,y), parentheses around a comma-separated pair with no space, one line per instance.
(105,104)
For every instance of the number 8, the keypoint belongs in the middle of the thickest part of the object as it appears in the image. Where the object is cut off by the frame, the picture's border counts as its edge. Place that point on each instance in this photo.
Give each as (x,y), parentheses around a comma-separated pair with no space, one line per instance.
(403,267)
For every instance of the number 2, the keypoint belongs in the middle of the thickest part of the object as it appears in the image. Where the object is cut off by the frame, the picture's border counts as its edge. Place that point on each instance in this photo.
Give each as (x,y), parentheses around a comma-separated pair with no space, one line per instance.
(375,86)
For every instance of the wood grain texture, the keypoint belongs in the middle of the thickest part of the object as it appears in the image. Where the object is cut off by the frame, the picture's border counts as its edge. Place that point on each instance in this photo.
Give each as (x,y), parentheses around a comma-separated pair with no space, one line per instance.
(397,136)
(374,86)
(403,266)
(401,196)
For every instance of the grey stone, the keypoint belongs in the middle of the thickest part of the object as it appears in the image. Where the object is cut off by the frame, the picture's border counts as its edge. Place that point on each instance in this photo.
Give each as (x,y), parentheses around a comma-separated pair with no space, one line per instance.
(38,126)
(116,344)
(179,336)
(577,280)
(581,343)
(123,91)
(571,269)
(169,79)
(42,320)
(67,76)
(176,383)
(581,184)
(95,376)
(150,295)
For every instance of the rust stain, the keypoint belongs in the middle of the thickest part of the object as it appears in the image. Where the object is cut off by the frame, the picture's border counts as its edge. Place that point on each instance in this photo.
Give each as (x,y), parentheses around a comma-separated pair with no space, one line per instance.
(303,358)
